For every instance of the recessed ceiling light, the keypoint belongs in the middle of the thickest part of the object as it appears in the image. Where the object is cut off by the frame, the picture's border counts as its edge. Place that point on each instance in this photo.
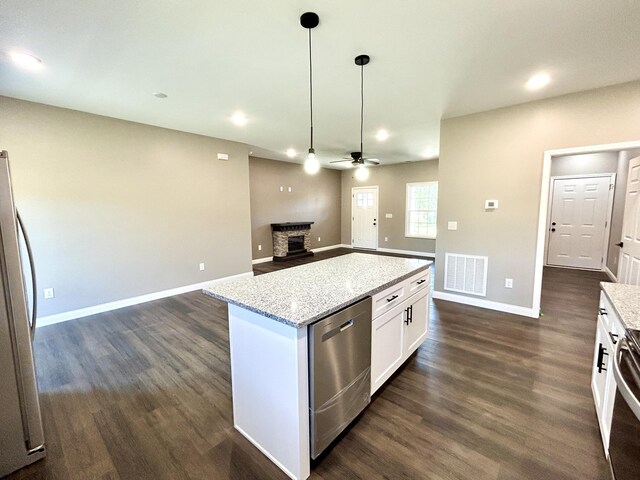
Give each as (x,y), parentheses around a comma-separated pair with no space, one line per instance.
(382,135)
(160,95)
(26,60)
(291,153)
(239,119)
(538,81)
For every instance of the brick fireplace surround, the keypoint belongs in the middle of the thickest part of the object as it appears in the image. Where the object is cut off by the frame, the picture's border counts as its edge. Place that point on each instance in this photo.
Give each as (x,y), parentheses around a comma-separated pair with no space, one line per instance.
(281,233)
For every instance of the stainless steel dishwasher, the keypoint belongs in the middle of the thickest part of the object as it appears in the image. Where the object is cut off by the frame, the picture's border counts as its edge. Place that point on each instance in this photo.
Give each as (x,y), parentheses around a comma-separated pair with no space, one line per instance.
(339,372)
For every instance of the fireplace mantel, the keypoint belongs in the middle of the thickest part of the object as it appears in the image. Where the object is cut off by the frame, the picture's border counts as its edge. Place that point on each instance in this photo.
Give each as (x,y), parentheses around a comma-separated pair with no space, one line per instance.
(287,226)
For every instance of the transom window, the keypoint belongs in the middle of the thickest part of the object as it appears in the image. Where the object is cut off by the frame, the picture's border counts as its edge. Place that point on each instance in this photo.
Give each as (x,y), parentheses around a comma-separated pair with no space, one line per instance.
(422,207)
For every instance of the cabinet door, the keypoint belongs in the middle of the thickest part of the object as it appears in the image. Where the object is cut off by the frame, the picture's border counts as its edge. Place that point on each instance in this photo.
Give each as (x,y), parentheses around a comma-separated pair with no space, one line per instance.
(386,346)
(416,328)
(615,332)
(599,374)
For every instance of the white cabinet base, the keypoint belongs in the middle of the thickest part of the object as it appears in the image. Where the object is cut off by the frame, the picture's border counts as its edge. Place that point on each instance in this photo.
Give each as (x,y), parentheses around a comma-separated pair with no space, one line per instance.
(396,334)
(270,388)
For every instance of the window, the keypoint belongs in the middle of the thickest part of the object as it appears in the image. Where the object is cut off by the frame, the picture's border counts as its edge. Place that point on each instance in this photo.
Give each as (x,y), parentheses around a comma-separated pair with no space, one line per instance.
(422,207)
(364,199)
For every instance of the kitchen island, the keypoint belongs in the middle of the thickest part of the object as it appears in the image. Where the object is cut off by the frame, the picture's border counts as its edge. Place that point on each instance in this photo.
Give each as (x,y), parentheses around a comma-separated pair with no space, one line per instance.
(269,317)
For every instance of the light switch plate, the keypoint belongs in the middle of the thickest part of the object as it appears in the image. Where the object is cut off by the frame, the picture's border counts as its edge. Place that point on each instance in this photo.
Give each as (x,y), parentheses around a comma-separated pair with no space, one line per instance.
(452,225)
(202,266)
(490,204)
(49,293)
(223,156)
(388,215)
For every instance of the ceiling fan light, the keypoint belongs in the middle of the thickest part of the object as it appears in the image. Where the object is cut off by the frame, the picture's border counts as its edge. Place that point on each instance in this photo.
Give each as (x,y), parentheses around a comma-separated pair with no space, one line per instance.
(362,173)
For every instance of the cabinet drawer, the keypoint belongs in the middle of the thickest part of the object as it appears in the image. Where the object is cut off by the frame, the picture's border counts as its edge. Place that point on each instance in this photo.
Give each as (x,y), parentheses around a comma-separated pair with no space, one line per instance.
(605,311)
(418,282)
(388,298)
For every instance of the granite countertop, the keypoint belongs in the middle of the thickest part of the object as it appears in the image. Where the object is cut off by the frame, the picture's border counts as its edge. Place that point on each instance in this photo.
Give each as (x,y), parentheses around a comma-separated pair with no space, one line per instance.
(302,295)
(625,299)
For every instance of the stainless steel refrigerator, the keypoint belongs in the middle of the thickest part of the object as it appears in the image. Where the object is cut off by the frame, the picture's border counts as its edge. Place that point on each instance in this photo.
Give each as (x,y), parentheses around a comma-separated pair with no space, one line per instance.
(21,435)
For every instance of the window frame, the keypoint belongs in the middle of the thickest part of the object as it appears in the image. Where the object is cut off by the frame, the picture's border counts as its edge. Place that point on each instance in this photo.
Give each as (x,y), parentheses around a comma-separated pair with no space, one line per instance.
(407,210)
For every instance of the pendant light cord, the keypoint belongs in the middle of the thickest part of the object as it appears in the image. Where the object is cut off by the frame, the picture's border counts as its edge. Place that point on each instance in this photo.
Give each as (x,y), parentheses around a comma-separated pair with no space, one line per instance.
(311,88)
(361,108)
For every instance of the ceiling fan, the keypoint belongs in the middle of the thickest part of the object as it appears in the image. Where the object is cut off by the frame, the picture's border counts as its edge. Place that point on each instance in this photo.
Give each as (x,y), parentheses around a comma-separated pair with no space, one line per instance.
(357,158)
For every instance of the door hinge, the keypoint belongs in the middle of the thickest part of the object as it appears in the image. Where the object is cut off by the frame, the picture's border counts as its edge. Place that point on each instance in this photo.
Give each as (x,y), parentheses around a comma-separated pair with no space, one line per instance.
(611,186)
(605,224)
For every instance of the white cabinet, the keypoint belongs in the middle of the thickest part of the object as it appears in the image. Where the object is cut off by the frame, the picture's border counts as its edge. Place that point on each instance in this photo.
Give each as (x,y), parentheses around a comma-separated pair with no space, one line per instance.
(416,321)
(399,331)
(387,348)
(609,329)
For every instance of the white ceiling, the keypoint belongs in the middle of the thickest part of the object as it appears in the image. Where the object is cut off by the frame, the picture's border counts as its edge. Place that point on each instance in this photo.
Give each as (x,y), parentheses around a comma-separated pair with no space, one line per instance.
(429,59)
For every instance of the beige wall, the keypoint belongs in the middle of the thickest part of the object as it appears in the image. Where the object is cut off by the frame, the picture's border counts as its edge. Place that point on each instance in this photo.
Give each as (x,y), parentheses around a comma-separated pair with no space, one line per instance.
(499,155)
(118,209)
(392,183)
(314,198)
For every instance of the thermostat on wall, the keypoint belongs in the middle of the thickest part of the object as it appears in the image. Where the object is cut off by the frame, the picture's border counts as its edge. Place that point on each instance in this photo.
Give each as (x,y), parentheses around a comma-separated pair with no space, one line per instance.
(490,204)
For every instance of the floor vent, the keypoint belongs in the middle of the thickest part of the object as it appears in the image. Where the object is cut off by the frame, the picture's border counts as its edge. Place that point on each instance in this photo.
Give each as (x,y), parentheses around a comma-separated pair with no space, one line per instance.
(466,274)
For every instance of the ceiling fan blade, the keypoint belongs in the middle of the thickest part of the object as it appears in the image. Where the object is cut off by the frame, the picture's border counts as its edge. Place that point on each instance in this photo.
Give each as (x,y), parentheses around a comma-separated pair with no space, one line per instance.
(339,161)
(372,161)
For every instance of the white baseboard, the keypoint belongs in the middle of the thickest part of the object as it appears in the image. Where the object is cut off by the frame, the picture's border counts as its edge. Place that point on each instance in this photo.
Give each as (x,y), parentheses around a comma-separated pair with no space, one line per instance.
(330,247)
(478,302)
(314,250)
(261,260)
(407,252)
(127,302)
(610,274)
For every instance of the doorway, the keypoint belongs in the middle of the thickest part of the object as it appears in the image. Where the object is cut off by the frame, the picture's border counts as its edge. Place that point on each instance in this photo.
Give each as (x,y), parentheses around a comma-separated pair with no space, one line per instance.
(579,221)
(364,217)
(543,221)
(629,268)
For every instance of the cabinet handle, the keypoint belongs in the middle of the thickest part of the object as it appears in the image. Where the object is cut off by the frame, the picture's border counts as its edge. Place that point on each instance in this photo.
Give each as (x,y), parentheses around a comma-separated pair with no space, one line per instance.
(392,298)
(406,318)
(420,282)
(614,337)
(602,311)
(601,353)
(411,314)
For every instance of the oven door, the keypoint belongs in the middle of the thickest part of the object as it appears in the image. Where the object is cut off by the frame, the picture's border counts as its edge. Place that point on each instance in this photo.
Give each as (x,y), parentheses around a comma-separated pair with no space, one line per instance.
(624,446)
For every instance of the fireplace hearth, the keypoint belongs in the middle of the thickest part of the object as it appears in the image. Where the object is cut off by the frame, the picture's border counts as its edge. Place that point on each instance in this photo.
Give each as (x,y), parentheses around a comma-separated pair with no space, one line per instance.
(291,240)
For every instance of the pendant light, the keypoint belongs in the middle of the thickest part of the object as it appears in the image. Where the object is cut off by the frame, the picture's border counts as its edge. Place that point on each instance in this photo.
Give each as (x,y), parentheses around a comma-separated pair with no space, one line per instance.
(310,21)
(361,172)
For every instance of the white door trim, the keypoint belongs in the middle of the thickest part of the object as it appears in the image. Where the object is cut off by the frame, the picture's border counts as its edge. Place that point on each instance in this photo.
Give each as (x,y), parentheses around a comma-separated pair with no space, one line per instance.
(605,249)
(544,204)
(353,192)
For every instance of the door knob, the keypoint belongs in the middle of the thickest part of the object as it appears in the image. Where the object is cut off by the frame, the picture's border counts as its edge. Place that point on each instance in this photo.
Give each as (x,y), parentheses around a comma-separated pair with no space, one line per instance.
(374,224)
(553,223)
(553,229)
(620,244)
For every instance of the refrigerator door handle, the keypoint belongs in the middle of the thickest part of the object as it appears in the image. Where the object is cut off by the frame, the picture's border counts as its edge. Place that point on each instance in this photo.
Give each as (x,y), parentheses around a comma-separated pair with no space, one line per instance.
(34,289)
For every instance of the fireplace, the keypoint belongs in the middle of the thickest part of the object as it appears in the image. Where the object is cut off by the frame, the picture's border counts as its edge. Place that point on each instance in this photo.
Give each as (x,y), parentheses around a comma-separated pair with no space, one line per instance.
(291,240)
(295,244)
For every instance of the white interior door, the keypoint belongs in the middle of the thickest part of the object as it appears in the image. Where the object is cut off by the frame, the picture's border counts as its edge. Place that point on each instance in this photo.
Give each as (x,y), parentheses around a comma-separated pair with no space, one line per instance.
(630,253)
(364,217)
(578,223)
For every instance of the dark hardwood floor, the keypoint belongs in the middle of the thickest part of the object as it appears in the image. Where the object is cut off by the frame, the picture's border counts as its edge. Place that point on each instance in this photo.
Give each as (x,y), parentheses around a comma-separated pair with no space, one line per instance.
(144,393)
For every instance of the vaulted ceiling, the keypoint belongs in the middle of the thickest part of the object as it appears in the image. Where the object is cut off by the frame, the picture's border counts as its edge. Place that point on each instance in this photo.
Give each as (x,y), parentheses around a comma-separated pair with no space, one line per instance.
(429,59)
